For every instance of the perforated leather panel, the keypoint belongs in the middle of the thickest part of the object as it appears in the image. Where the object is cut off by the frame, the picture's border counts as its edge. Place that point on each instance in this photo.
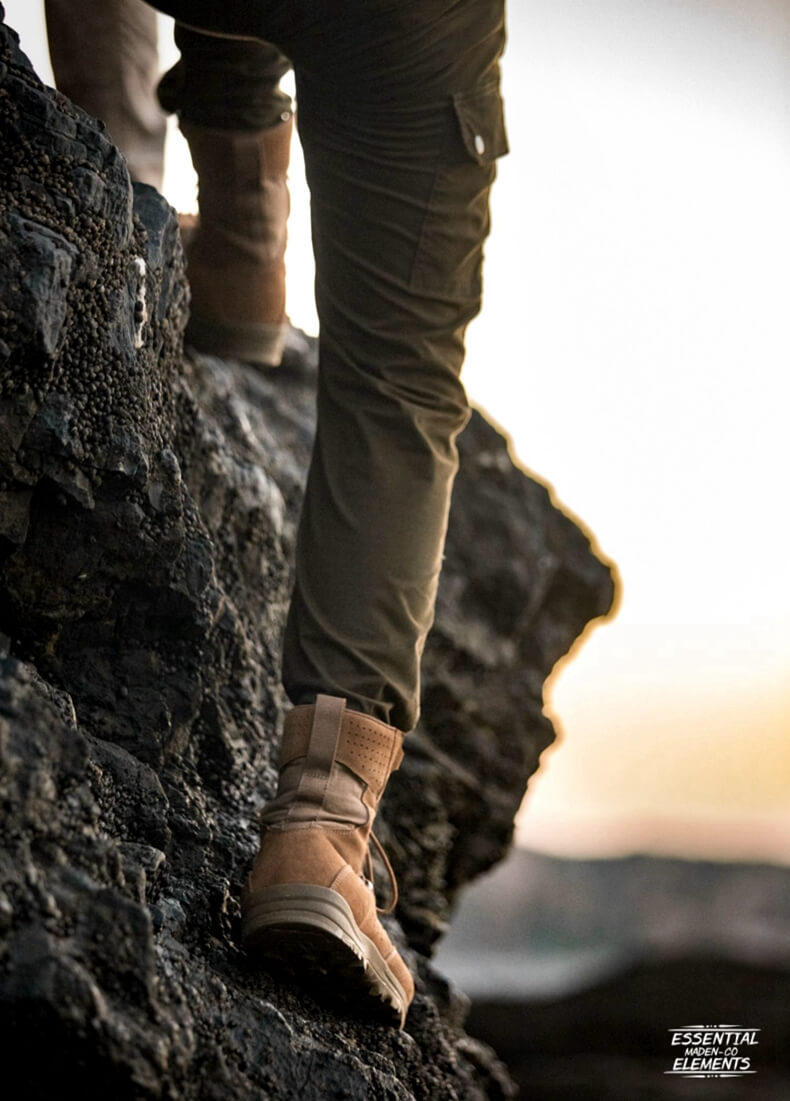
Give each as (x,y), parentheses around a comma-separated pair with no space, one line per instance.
(371,749)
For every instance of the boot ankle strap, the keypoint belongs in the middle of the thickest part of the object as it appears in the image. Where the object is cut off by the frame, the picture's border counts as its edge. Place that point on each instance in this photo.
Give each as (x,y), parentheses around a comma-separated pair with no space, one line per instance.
(369,748)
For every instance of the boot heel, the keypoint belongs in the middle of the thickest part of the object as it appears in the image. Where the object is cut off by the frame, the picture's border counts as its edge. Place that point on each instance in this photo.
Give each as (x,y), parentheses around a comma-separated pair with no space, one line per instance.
(301,904)
(310,932)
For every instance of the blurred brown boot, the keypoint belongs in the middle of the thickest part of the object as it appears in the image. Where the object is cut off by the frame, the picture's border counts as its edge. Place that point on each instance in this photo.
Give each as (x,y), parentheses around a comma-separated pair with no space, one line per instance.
(236,248)
(309,903)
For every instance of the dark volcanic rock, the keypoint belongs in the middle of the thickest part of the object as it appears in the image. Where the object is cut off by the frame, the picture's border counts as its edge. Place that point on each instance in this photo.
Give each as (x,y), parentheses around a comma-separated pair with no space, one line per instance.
(147,515)
(585,965)
(612,1042)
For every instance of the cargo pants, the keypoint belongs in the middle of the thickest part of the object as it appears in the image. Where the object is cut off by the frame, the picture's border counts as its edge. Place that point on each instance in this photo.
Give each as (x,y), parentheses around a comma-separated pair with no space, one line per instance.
(401,121)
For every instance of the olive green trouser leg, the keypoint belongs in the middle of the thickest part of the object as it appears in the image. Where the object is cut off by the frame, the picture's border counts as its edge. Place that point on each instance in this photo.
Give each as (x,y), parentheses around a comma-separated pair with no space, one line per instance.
(104,57)
(400,212)
(226,83)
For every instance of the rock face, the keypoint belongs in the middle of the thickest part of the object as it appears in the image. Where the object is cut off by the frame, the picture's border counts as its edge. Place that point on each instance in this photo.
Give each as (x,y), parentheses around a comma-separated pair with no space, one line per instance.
(148,505)
(612,1041)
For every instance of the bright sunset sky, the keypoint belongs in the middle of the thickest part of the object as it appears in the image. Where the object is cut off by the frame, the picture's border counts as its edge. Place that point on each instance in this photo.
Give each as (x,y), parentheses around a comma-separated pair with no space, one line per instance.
(647,257)
(634,344)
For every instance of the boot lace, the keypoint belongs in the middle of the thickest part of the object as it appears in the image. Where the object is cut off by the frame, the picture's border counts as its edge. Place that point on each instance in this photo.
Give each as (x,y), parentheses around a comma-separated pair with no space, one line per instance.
(393,902)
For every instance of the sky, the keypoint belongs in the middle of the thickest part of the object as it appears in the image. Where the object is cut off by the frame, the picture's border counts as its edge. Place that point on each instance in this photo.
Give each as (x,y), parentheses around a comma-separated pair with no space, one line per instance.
(634,345)
(646,256)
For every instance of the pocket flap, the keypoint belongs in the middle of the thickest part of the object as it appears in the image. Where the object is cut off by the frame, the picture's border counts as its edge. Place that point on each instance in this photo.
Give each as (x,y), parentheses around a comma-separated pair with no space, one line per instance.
(481,117)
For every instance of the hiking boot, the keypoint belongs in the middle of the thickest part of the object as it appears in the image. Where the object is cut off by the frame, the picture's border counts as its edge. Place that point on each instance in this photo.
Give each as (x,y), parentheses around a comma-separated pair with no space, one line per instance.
(309,905)
(235,249)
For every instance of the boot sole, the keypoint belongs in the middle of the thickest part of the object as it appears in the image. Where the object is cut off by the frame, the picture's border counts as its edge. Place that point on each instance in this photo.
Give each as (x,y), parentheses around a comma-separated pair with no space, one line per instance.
(259,343)
(309,932)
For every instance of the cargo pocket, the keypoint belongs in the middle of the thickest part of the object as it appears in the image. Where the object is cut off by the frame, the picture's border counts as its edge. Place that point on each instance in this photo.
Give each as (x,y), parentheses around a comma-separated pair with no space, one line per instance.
(456,223)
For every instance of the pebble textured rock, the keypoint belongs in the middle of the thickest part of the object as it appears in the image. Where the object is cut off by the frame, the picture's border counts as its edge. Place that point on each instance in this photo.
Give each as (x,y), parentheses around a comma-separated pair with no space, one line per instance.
(148,504)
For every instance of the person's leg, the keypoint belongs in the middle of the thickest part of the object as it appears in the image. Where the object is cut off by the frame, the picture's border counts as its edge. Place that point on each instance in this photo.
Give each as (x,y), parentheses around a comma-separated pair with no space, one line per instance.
(104,57)
(401,125)
(238,124)
(401,122)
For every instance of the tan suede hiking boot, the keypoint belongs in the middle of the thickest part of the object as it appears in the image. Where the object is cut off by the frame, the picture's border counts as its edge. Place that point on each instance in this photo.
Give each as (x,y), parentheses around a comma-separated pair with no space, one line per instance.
(235,249)
(309,905)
